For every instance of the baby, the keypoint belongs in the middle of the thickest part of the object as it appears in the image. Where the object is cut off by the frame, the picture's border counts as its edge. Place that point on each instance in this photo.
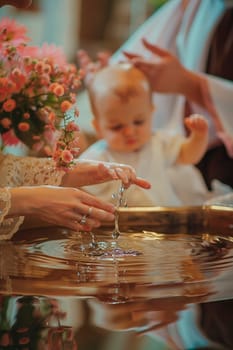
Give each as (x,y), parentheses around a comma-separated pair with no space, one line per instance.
(121,102)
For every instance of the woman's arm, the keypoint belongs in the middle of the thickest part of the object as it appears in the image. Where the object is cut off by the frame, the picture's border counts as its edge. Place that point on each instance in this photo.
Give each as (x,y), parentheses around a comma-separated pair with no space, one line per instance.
(59,206)
(31,188)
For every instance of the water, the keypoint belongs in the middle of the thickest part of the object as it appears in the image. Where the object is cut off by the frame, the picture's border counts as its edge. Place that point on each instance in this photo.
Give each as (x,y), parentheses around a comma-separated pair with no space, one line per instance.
(119,203)
(183,264)
(104,248)
(58,293)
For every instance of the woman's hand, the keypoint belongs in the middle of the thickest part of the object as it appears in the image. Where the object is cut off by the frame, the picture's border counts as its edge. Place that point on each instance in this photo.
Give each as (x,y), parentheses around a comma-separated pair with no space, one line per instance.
(164,70)
(67,207)
(88,172)
(167,75)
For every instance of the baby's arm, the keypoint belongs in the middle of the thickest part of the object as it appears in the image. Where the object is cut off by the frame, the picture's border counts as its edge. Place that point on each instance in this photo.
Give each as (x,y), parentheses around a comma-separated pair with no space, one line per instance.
(195,145)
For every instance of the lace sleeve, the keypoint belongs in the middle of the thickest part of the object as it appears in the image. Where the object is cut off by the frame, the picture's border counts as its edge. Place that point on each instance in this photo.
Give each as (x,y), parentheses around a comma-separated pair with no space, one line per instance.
(22,171)
(7,226)
(28,171)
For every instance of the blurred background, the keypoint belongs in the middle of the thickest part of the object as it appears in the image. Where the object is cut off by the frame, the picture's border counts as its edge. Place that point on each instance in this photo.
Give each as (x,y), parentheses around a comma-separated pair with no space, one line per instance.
(89,24)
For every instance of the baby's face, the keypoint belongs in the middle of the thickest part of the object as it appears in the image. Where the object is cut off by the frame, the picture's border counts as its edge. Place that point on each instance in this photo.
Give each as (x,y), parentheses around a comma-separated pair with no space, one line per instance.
(126,126)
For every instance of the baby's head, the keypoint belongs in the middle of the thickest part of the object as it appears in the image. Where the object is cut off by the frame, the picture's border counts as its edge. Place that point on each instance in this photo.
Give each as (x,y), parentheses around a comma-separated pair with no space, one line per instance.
(121,101)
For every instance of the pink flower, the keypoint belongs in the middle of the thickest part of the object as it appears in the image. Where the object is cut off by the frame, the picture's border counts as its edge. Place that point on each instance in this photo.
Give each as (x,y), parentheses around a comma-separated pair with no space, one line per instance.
(28,54)
(71,126)
(9,105)
(12,32)
(65,106)
(47,68)
(52,54)
(58,90)
(9,138)
(45,80)
(39,67)
(23,126)
(26,115)
(67,156)
(37,89)
(6,123)
(52,117)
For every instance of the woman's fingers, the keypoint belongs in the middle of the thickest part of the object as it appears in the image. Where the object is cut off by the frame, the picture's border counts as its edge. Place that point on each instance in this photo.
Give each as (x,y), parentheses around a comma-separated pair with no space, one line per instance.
(100,209)
(156,50)
(131,55)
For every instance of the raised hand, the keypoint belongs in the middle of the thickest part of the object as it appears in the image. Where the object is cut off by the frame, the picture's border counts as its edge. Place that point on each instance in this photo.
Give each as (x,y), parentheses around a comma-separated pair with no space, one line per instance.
(163,69)
(195,145)
(196,123)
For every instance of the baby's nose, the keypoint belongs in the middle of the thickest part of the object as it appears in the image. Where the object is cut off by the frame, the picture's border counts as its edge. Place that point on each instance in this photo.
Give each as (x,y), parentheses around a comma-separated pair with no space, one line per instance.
(128,129)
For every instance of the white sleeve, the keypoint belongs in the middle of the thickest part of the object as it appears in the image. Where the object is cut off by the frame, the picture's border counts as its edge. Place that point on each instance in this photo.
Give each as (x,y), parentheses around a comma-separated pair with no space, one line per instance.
(171,143)
(28,171)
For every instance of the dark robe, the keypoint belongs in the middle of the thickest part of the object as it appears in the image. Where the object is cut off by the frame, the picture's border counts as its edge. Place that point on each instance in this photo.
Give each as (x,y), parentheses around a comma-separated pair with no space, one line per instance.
(216,164)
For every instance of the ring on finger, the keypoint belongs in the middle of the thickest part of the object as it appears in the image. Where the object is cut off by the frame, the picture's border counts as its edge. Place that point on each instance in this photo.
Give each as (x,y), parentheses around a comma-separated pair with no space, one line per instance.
(83,219)
(89,211)
(85,216)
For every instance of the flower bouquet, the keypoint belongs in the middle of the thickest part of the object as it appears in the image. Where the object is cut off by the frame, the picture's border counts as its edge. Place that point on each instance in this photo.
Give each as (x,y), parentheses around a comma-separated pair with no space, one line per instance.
(38,90)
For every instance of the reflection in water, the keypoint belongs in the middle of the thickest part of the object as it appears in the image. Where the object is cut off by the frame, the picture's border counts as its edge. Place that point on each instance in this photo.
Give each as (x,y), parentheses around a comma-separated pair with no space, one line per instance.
(181,265)
(30,322)
(55,323)
(65,293)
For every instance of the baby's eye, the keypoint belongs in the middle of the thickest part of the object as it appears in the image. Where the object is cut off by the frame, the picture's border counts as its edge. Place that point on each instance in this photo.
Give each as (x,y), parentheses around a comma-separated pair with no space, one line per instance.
(116,127)
(138,122)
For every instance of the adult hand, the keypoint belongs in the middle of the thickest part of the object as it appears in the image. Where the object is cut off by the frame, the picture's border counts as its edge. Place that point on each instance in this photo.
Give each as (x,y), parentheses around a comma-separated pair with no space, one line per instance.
(89,172)
(167,75)
(163,69)
(67,207)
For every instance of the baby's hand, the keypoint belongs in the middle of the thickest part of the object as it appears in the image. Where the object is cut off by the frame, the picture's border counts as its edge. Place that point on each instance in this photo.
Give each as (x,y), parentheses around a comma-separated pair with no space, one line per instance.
(196,123)
(126,174)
